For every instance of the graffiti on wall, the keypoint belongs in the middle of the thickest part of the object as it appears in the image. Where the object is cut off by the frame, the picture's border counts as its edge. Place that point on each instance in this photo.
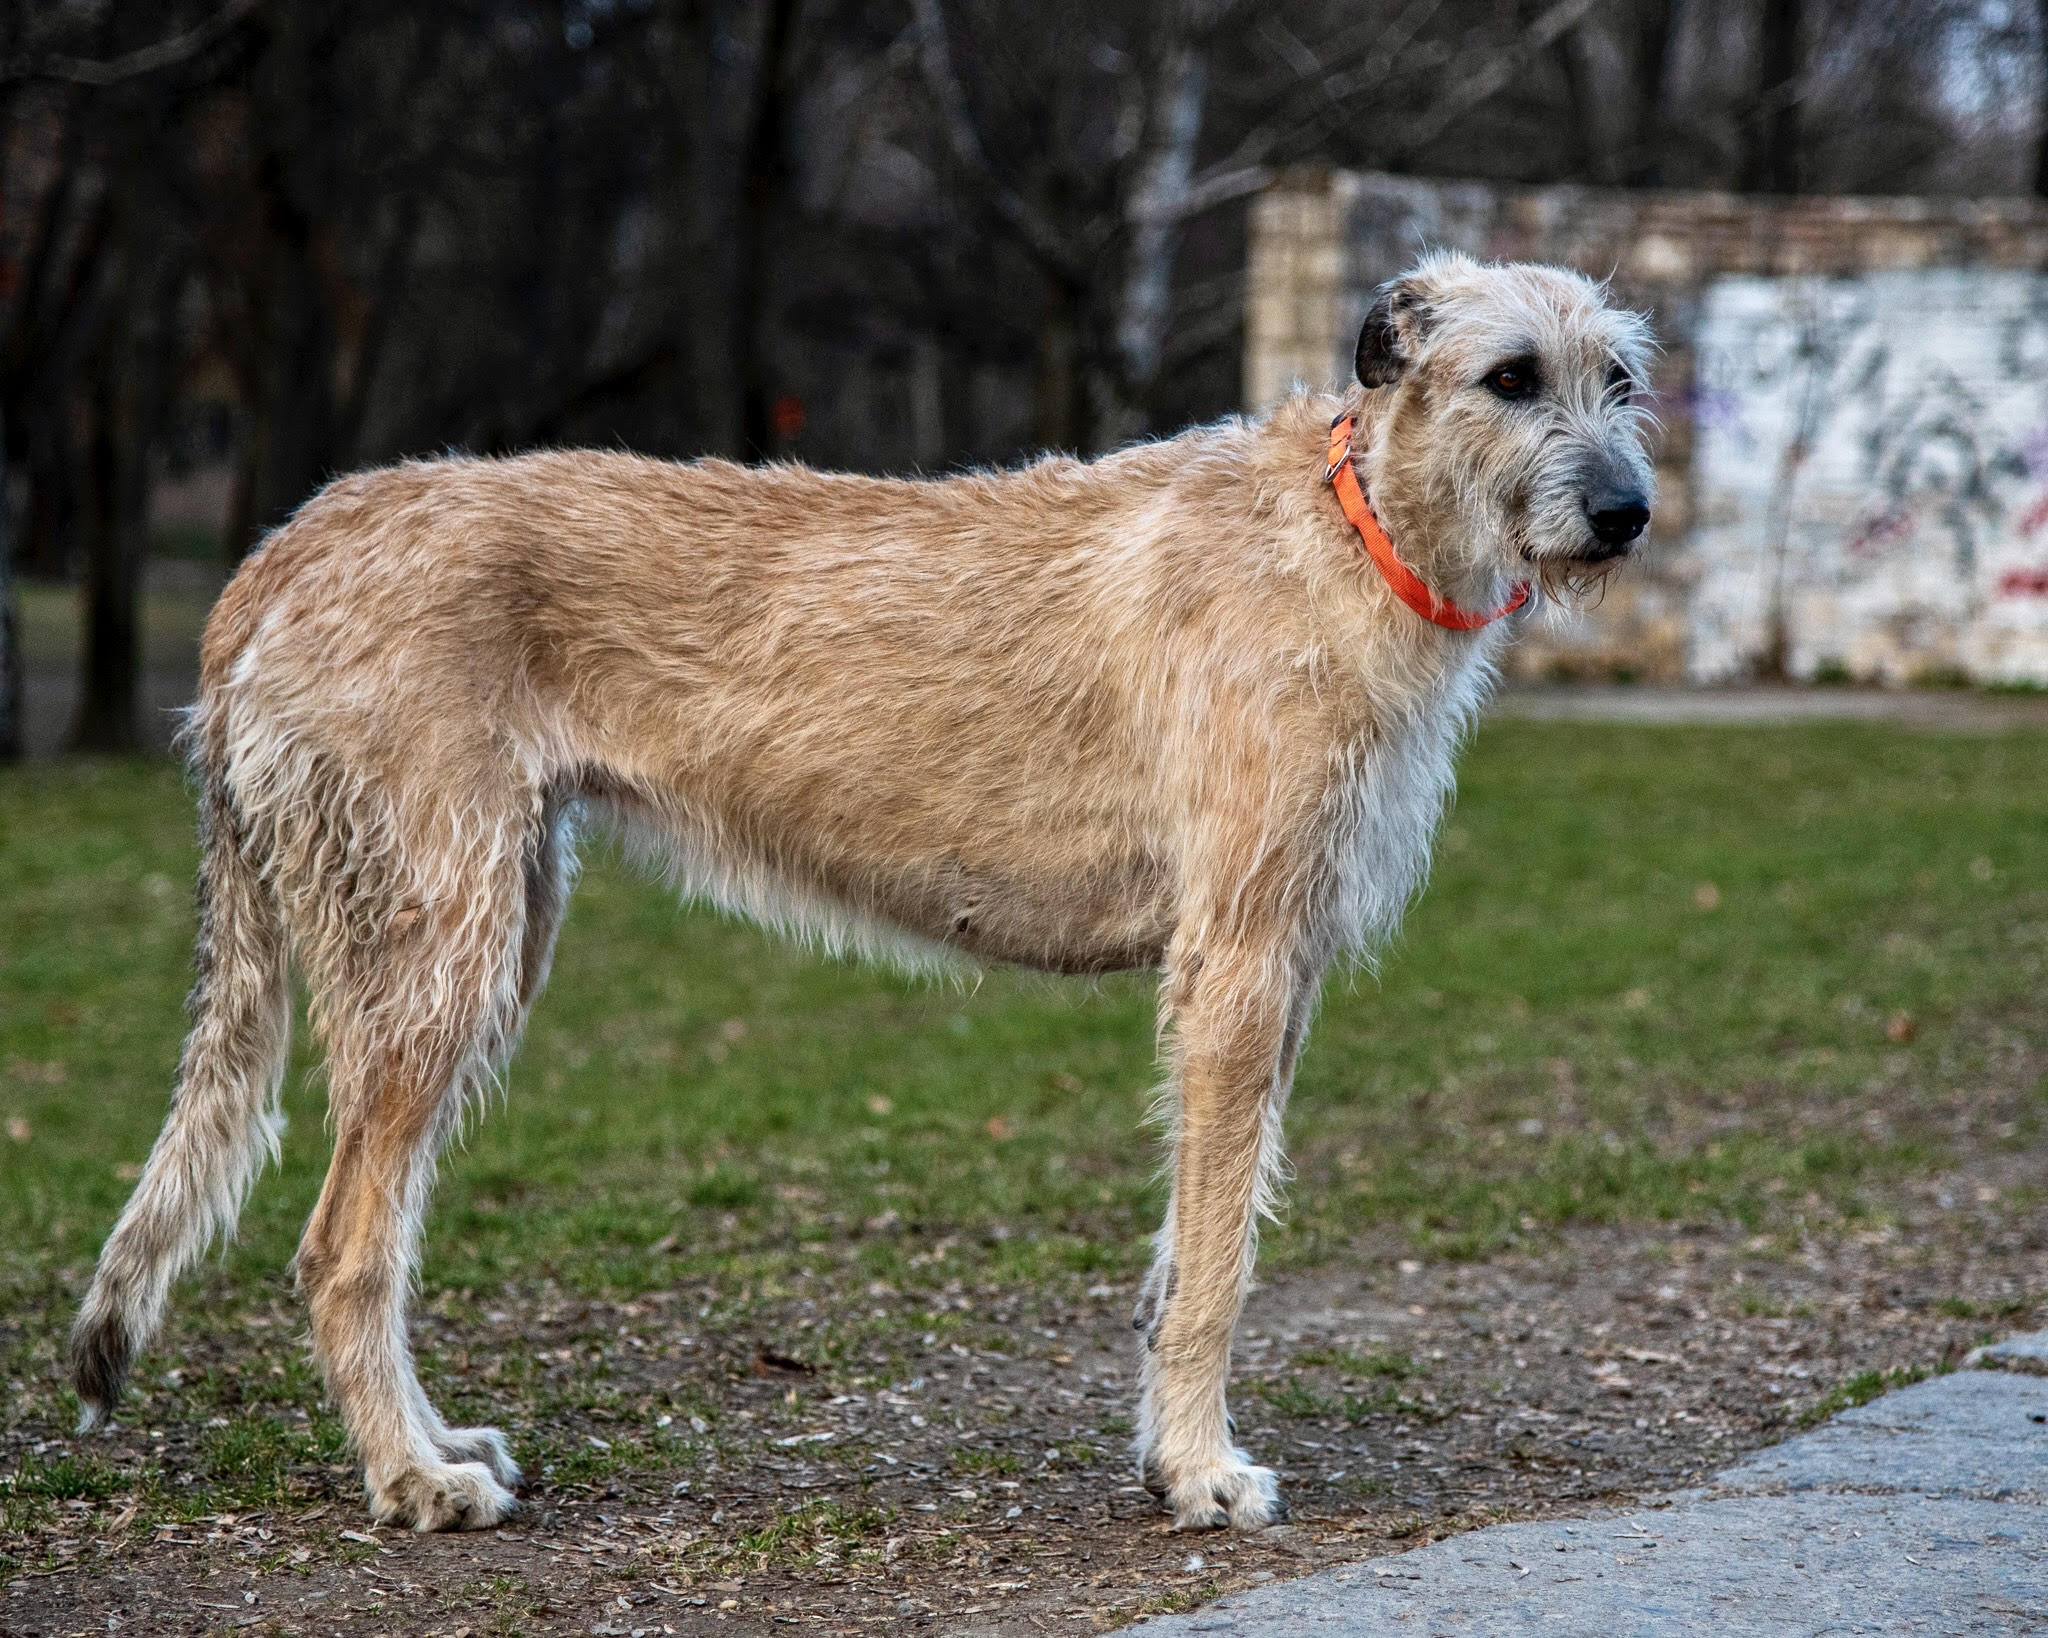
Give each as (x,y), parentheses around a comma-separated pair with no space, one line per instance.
(1871,477)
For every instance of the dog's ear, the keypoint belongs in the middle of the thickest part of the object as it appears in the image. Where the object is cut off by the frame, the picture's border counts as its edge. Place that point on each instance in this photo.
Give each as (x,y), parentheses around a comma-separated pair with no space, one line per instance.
(1393,333)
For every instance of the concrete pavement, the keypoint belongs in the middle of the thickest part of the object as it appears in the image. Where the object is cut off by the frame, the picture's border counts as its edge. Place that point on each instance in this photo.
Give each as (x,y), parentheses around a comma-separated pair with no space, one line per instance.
(1924,1512)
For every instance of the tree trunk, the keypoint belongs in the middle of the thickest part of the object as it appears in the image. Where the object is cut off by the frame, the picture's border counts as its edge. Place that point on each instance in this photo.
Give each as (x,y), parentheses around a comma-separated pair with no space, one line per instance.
(293,416)
(53,515)
(1645,160)
(1592,158)
(302,411)
(1774,129)
(1155,218)
(110,671)
(723,164)
(10,630)
(291,392)
(130,399)
(2041,142)
(764,167)
(1060,409)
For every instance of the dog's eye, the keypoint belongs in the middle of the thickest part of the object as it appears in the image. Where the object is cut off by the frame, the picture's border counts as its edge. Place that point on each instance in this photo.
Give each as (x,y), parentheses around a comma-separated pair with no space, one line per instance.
(1516,380)
(1620,383)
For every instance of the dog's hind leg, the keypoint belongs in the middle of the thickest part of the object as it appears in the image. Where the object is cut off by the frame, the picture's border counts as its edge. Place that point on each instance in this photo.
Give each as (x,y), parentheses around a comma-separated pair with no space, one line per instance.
(549,873)
(1238,1016)
(413,1024)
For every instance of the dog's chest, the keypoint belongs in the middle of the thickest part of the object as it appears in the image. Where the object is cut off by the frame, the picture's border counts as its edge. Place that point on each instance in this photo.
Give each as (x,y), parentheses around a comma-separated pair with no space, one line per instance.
(1398,777)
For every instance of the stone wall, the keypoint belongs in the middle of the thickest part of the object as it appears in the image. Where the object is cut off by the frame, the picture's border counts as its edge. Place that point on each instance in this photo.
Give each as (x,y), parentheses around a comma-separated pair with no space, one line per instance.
(1846,559)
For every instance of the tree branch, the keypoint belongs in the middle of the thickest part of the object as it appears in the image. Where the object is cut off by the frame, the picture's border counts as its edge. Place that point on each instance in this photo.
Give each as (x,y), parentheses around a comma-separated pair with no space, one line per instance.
(1336,85)
(166,53)
(1489,81)
(1040,236)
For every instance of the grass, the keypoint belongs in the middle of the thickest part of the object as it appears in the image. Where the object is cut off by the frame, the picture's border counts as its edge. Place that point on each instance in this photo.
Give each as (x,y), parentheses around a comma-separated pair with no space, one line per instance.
(811,1534)
(1859,1389)
(254,1459)
(1377,1363)
(1662,973)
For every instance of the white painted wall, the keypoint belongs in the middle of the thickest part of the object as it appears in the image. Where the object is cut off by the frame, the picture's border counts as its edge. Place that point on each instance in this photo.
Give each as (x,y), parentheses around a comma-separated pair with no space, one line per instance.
(1871,468)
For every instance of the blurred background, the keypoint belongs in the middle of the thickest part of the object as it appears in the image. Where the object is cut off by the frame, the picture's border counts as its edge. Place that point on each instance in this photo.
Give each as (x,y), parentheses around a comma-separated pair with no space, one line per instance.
(248,244)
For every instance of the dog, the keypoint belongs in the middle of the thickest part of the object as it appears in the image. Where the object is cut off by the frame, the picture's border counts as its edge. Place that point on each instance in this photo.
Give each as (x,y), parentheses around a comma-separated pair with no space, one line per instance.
(1191,707)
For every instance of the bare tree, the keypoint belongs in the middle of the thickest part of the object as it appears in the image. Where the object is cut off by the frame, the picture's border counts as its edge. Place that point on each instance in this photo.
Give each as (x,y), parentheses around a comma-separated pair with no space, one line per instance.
(10,627)
(1773,160)
(2040,177)
(131,383)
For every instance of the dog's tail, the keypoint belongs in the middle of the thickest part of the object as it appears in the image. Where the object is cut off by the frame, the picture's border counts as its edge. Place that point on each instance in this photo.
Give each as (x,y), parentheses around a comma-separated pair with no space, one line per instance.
(224,1120)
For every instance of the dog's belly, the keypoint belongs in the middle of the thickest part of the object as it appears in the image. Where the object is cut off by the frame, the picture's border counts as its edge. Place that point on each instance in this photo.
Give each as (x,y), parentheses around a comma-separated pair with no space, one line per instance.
(1061,901)
(1101,914)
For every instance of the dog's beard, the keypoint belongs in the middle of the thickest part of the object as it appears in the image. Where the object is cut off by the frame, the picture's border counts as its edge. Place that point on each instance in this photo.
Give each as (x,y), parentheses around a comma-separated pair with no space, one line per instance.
(1575,581)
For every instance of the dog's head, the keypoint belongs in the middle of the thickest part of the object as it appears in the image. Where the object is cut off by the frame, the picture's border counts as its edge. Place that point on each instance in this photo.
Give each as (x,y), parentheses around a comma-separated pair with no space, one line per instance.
(1509,430)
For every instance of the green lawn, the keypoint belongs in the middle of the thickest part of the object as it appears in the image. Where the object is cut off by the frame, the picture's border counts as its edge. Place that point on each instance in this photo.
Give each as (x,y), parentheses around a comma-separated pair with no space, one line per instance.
(1660,972)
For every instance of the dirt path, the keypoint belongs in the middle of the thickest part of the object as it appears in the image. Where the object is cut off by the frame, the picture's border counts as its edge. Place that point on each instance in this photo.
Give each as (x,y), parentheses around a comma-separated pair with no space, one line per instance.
(980,1484)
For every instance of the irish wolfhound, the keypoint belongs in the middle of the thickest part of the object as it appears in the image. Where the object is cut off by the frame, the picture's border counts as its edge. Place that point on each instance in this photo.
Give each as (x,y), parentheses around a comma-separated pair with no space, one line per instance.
(1187,707)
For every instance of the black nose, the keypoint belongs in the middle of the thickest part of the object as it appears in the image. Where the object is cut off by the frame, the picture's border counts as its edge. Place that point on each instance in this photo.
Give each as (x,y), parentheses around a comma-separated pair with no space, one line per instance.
(1618,519)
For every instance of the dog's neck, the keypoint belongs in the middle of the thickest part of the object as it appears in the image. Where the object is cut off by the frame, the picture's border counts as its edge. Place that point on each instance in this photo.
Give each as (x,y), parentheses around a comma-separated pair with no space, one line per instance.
(1457,567)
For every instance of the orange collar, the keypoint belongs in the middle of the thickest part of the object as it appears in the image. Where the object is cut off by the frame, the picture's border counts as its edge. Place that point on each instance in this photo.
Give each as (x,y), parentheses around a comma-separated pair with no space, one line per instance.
(1405,583)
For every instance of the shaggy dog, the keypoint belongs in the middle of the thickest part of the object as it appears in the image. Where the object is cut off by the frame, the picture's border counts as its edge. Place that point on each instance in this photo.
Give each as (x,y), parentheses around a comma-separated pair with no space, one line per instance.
(1191,707)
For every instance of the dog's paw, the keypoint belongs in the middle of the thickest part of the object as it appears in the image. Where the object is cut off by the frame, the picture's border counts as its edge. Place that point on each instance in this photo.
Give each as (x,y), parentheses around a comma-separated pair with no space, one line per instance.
(482,1445)
(461,1496)
(1234,1493)
(1230,1490)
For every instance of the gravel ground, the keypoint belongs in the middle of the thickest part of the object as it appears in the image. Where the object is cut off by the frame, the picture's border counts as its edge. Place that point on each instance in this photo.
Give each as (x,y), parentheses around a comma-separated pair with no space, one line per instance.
(980,1484)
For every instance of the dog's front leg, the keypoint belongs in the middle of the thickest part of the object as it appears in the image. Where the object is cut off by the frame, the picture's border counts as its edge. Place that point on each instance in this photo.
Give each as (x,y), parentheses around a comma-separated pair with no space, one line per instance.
(1237,1017)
